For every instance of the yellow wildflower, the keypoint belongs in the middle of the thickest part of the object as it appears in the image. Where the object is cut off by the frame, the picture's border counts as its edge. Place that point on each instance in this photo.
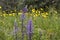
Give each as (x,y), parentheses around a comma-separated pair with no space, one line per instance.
(19,13)
(36,11)
(41,8)
(33,10)
(39,11)
(0,7)
(42,13)
(46,13)
(44,16)
(36,15)
(10,14)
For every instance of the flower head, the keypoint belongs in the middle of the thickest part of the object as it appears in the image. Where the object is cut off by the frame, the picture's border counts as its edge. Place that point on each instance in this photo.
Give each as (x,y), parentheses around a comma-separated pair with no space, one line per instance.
(29,26)
(15,27)
(22,16)
(24,9)
(33,10)
(29,29)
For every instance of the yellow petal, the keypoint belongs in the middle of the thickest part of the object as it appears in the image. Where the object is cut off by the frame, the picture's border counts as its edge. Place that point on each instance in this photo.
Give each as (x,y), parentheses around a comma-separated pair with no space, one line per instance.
(10,14)
(0,7)
(33,10)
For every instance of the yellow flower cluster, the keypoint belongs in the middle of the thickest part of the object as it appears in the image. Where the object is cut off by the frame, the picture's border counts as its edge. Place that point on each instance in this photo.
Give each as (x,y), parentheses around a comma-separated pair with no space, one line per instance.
(33,10)
(44,14)
(35,15)
(10,14)
(38,12)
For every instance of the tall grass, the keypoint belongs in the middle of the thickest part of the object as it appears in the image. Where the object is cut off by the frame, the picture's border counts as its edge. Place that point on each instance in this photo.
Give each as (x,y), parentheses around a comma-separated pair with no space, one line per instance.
(45,28)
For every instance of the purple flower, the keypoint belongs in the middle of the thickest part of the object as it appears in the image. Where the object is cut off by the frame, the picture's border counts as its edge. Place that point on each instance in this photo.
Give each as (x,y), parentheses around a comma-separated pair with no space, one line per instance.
(29,29)
(25,9)
(15,30)
(22,20)
(22,25)
(29,26)
(23,16)
(15,26)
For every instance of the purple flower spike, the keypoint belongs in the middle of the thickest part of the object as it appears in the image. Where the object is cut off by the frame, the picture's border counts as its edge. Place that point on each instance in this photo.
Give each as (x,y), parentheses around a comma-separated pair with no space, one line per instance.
(29,26)
(15,30)
(29,29)
(22,20)
(22,25)
(23,16)
(15,26)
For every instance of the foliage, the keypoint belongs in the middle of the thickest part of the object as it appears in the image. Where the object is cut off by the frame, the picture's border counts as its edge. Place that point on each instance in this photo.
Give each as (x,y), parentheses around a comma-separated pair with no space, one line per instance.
(46,26)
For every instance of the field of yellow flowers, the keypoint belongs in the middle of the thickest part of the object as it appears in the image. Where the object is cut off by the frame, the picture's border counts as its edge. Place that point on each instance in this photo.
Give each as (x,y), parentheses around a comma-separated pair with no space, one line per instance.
(45,26)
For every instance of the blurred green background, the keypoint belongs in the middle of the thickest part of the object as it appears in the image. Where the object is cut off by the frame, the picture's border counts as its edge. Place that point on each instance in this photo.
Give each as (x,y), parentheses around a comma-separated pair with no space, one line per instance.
(45,17)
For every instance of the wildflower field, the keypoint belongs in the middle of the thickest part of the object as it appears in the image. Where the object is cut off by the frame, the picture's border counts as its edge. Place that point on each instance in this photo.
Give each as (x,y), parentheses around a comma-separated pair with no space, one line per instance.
(35,25)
